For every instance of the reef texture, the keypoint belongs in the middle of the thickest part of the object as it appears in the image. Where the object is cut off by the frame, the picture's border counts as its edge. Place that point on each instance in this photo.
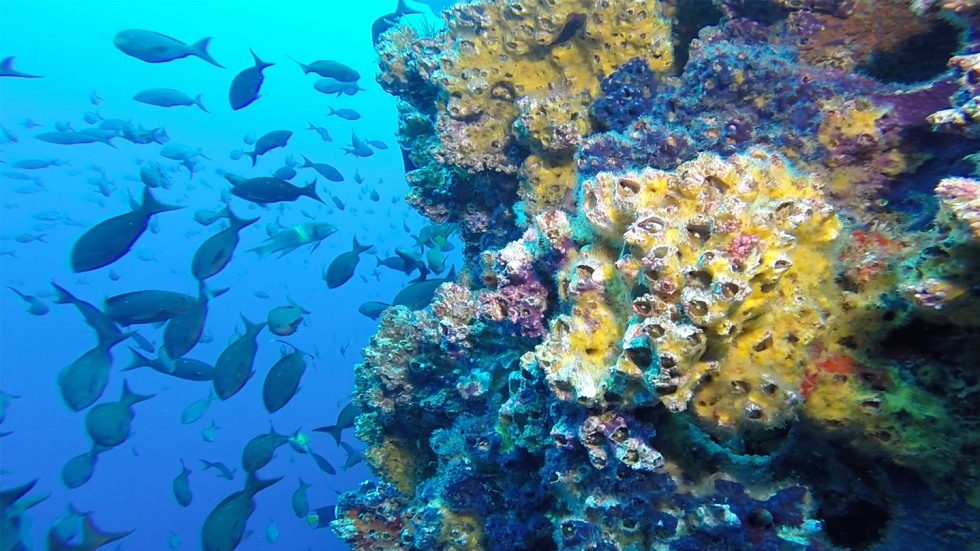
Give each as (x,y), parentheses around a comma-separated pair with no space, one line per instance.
(731,304)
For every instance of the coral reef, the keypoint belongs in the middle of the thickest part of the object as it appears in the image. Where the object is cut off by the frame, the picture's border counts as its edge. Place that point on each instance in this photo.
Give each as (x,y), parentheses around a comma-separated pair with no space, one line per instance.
(729,305)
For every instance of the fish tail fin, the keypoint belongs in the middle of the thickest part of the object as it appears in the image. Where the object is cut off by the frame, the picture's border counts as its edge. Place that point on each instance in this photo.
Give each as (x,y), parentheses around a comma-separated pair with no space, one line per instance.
(307,163)
(20,294)
(139,360)
(7,65)
(332,111)
(332,430)
(254,484)
(199,101)
(310,191)
(252,155)
(129,397)
(359,248)
(311,125)
(61,295)
(403,9)
(152,206)
(94,537)
(207,464)
(305,68)
(252,328)
(258,61)
(200,49)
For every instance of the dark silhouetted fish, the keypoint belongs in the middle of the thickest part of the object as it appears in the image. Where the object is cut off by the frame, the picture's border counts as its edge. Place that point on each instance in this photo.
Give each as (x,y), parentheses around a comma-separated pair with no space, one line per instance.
(7,69)
(341,269)
(266,189)
(418,295)
(168,97)
(224,527)
(76,138)
(183,368)
(268,142)
(373,309)
(153,47)
(35,306)
(348,114)
(353,456)
(109,240)
(258,452)
(282,380)
(345,420)
(301,504)
(216,251)
(388,21)
(330,69)
(573,24)
(234,366)
(247,84)
(182,486)
(287,241)
(108,424)
(223,470)
(15,534)
(323,169)
(323,132)
(323,464)
(184,331)
(284,320)
(322,517)
(140,307)
(331,86)
(83,381)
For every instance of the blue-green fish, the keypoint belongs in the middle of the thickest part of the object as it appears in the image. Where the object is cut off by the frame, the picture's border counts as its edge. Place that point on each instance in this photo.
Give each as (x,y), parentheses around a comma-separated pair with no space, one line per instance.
(196,409)
(215,253)
(288,240)
(83,381)
(258,452)
(282,380)
(184,331)
(341,269)
(247,84)
(347,114)
(182,368)
(266,189)
(35,306)
(301,504)
(182,486)
(151,306)
(108,424)
(79,469)
(284,320)
(268,142)
(153,47)
(208,434)
(323,169)
(93,537)
(109,240)
(76,138)
(330,69)
(224,527)
(223,470)
(234,366)
(345,420)
(168,97)
(104,327)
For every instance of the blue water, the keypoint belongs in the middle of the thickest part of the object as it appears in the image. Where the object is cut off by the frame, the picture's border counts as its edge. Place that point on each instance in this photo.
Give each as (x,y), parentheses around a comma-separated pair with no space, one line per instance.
(70,43)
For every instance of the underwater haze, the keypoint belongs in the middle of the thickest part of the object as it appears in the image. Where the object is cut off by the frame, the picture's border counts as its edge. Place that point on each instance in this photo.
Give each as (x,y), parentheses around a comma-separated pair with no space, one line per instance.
(86,77)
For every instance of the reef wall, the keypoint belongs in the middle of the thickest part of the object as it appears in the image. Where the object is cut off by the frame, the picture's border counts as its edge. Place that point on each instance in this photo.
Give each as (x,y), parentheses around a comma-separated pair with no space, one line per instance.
(723,281)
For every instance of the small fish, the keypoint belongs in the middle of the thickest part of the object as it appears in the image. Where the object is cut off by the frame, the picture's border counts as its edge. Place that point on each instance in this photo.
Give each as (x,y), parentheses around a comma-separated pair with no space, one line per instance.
(91,117)
(377,144)
(206,217)
(573,24)
(268,142)
(208,434)
(7,70)
(325,170)
(234,366)
(196,409)
(330,86)
(182,486)
(375,196)
(283,379)
(265,189)
(323,464)
(347,114)
(330,69)
(272,532)
(83,381)
(76,138)
(345,420)
(35,164)
(341,269)
(338,202)
(105,328)
(388,21)
(285,173)
(111,239)
(435,260)
(301,504)
(323,132)
(153,47)
(353,456)
(357,177)
(168,97)
(223,470)
(108,424)
(5,399)
(181,152)
(35,306)
(94,98)
(174,541)
(373,309)
(79,469)
(284,320)
(181,368)
(247,84)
